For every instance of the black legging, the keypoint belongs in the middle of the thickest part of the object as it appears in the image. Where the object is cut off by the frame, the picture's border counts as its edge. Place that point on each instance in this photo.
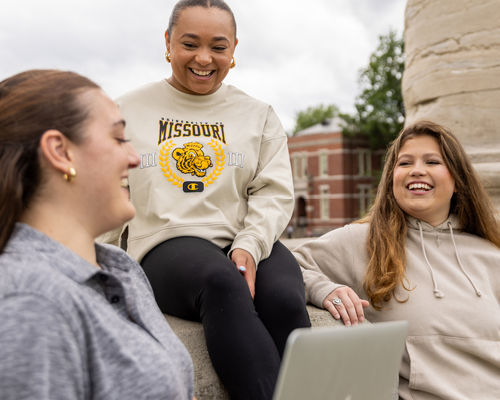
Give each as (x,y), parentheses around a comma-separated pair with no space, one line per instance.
(193,279)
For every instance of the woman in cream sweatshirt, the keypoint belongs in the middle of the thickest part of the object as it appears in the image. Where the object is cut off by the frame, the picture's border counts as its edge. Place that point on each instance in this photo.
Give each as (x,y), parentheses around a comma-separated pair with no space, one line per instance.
(213,194)
(427,252)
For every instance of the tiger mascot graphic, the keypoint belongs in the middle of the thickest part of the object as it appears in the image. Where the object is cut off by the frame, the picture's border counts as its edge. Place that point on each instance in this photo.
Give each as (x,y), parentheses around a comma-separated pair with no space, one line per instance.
(191,160)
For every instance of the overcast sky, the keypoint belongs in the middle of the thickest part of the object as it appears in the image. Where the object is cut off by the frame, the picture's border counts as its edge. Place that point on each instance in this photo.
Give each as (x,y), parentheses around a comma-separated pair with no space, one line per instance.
(291,54)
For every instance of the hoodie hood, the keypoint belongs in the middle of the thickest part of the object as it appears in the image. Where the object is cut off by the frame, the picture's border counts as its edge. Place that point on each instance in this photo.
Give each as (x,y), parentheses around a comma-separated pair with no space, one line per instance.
(414,223)
(443,232)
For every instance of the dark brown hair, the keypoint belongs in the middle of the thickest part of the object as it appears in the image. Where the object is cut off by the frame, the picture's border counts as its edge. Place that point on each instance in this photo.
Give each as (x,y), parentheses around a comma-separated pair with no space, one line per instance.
(387,233)
(183,4)
(32,103)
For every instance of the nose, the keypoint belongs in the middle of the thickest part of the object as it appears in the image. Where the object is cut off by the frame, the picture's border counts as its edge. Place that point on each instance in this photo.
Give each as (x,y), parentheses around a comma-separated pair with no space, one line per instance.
(203,57)
(133,158)
(418,169)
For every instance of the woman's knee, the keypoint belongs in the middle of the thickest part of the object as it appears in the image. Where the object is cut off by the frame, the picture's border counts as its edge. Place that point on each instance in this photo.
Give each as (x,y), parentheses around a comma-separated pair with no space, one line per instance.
(224,281)
(284,302)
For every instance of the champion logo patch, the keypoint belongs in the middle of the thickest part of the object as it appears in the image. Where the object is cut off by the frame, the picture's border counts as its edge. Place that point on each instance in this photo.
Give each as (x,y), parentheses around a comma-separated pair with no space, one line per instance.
(193,186)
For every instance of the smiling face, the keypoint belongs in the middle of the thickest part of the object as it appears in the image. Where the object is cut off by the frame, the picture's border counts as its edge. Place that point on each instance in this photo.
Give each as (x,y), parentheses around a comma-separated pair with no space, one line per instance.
(422,184)
(201,48)
(102,162)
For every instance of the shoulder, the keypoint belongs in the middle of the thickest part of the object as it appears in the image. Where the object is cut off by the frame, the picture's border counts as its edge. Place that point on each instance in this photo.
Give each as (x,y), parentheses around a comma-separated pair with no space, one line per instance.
(253,107)
(338,241)
(26,273)
(356,229)
(25,311)
(34,322)
(348,233)
(142,93)
(239,95)
(32,281)
(470,242)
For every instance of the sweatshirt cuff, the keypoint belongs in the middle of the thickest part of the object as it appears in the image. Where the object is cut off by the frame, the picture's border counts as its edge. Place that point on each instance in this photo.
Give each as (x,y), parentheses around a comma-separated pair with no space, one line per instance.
(321,290)
(252,245)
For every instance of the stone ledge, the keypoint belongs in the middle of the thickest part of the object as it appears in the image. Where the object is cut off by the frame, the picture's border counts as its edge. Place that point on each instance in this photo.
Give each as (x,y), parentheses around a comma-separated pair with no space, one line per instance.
(207,385)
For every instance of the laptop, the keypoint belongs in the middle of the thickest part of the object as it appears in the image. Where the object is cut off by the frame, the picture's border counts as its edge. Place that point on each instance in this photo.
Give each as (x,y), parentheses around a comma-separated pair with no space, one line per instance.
(356,363)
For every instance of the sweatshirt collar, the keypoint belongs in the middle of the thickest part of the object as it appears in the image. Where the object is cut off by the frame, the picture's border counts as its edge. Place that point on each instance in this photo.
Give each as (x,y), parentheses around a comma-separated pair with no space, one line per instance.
(196,99)
(413,223)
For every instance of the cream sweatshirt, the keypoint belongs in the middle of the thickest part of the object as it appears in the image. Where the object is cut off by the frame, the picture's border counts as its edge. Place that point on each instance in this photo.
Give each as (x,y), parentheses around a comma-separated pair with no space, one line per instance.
(453,346)
(215,167)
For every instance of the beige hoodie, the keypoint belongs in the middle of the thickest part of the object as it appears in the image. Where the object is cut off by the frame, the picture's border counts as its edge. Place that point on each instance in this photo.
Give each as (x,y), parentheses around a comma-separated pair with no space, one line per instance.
(453,346)
(215,167)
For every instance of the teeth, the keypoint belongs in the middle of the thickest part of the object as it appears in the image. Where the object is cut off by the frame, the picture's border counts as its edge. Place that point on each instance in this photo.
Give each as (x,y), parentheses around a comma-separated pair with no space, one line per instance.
(201,73)
(124,182)
(419,186)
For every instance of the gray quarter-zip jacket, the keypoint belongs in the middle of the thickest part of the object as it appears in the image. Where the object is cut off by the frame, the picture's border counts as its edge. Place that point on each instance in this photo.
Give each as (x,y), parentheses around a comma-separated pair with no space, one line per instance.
(69,330)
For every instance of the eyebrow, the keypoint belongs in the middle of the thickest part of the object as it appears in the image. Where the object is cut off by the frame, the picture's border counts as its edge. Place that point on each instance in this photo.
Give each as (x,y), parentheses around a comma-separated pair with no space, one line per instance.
(215,38)
(425,155)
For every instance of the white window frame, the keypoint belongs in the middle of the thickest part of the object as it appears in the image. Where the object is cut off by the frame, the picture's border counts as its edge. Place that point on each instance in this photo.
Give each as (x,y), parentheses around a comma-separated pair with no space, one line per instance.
(324,202)
(364,162)
(323,163)
(365,198)
(295,165)
(303,166)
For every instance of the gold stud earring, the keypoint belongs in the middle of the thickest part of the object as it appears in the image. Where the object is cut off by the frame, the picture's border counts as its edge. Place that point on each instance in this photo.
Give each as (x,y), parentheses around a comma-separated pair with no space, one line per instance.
(233,63)
(167,56)
(70,176)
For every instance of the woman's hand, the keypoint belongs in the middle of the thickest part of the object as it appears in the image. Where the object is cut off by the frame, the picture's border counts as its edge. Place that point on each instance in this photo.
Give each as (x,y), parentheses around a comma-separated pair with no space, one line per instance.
(246,265)
(350,307)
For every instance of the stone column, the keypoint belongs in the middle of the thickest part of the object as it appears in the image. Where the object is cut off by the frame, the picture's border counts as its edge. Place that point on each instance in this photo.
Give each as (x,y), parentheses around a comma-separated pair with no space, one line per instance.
(452,75)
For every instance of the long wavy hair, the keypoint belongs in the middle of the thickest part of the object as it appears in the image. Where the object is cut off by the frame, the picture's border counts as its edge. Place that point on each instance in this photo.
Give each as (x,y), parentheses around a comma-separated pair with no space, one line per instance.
(388,227)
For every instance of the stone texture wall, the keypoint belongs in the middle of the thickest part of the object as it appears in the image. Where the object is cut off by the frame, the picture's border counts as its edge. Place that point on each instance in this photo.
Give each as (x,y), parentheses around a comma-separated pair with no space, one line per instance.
(452,75)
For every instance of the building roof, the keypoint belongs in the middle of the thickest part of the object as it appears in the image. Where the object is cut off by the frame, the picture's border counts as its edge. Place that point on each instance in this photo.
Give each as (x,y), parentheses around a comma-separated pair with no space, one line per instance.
(329,125)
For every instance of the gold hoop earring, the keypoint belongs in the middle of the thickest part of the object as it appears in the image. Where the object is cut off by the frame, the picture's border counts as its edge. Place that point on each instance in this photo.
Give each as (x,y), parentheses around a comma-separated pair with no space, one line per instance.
(70,176)
(233,63)
(167,56)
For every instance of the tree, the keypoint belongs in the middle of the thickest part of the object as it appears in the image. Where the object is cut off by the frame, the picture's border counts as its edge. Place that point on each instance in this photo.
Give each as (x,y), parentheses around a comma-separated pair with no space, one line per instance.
(313,116)
(379,108)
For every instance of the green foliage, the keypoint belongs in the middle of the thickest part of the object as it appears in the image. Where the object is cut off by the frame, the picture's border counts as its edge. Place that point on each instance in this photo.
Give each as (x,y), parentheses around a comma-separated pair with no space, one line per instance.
(313,116)
(380,108)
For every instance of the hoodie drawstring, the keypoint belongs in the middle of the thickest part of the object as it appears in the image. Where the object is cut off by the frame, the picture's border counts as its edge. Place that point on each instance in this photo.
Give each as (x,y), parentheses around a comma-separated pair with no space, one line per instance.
(437,292)
(478,292)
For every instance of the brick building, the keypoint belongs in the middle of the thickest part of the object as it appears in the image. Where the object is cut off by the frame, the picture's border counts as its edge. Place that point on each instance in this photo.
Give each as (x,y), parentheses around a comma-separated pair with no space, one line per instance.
(333,177)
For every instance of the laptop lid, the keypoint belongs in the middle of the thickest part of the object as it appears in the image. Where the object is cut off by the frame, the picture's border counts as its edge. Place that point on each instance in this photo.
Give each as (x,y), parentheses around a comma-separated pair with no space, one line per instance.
(356,363)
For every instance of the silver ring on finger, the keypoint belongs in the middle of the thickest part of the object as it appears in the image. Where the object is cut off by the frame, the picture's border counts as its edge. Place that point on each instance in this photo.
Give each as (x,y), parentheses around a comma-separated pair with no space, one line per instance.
(336,301)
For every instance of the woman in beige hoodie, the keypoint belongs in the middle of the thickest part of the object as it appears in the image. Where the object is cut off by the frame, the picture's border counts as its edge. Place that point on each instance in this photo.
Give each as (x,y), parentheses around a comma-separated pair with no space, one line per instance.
(427,252)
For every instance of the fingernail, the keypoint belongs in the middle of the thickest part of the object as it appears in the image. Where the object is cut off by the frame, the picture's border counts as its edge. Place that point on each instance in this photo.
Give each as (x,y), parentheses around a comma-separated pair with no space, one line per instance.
(242,268)
(348,323)
(361,319)
(354,323)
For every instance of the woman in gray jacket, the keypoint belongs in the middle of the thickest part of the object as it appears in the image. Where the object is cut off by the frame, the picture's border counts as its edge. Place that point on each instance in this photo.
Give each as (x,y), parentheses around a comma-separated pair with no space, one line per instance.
(427,252)
(78,320)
